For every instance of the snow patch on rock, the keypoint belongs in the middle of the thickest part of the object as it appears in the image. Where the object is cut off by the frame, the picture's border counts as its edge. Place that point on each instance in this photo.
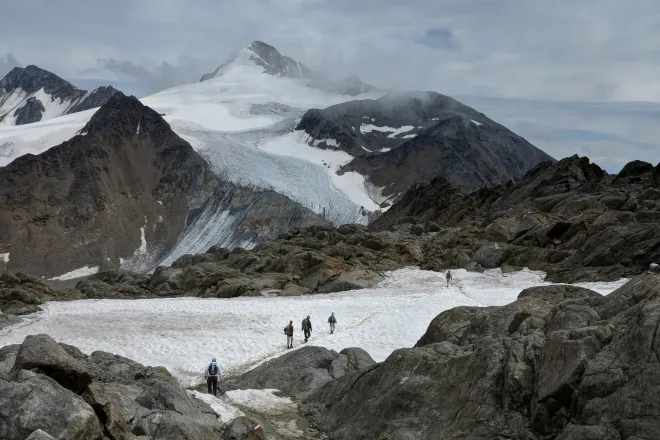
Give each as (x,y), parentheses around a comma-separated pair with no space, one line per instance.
(78,273)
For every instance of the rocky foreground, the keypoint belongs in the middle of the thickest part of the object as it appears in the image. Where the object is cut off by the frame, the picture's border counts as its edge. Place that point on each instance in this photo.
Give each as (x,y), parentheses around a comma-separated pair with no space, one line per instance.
(562,362)
(53,391)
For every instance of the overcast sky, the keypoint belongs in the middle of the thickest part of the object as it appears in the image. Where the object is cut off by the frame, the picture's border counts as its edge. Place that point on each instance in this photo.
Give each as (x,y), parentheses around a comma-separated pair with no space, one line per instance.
(545,63)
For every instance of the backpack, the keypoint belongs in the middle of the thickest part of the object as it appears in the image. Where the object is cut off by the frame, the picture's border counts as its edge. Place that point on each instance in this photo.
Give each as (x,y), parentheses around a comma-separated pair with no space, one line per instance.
(213,369)
(286,330)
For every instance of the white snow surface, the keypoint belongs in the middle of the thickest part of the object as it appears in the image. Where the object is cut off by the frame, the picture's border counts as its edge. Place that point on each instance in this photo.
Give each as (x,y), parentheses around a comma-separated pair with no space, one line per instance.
(476,122)
(262,401)
(4,257)
(16,141)
(220,405)
(182,334)
(53,107)
(78,273)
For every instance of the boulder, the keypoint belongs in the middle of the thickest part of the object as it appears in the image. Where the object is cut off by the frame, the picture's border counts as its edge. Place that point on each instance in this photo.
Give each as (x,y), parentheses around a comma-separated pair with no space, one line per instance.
(39,402)
(106,410)
(42,354)
(166,394)
(491,255)
(296,373)
(242,428)
(40,435)
(170,425)
(107,367)
(351,280)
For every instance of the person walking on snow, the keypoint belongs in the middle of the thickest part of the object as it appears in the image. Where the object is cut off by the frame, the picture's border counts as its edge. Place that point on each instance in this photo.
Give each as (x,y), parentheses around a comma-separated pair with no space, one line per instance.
(448,278)
(307,328)
(288,331)
(212,373)
(332,321)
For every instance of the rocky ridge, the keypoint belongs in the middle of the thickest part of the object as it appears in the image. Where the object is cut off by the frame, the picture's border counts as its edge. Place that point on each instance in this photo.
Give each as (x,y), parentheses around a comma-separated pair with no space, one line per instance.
(570,219)
(32,94)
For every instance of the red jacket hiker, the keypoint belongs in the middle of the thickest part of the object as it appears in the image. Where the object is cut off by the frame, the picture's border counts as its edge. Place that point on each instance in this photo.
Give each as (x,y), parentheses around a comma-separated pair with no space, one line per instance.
(288,330)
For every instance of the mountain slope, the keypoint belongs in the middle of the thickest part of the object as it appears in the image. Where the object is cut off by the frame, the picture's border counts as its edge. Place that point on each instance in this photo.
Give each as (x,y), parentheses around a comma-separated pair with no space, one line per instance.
(125,191)
(32,94)
(404,138)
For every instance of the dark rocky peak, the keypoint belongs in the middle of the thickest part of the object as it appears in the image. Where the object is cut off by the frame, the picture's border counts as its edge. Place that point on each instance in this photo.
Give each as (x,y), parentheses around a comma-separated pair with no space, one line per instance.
(32,79)
(274,63)
(95,98)
(122,189)
(125,116)
(405,138)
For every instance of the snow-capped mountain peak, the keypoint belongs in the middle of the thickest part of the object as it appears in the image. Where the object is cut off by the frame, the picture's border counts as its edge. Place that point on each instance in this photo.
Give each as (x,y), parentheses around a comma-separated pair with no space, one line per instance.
(32,94)
(268,60)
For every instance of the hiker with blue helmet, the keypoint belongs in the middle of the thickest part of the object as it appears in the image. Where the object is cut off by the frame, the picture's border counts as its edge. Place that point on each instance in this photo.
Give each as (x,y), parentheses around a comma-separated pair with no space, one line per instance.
(212,373)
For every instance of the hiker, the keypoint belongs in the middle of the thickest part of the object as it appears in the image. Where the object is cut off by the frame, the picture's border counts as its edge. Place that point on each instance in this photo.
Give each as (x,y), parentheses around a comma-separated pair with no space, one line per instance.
(288,331)
(307,328)
(332,321)
(448,278)
(213,372)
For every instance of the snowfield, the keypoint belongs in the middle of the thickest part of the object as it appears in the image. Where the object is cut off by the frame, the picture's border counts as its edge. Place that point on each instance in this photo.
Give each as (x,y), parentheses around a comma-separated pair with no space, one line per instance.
(183,334)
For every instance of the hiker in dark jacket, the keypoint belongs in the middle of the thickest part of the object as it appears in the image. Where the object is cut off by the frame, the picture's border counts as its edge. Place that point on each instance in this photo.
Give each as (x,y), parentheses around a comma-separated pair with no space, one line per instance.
(307,328)
(212,373)
(288,331)
(448,278)
(332,321)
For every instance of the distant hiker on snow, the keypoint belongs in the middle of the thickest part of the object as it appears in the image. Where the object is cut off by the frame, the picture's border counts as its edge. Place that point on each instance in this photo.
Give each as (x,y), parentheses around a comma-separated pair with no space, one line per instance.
(288,331)
(448,278)
(212,373)
(307,328)
(332,321)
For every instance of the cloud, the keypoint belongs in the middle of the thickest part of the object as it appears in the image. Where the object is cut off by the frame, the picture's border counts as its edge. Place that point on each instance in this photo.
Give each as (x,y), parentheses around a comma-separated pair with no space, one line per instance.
(7,63)
(517,51)
(439,38)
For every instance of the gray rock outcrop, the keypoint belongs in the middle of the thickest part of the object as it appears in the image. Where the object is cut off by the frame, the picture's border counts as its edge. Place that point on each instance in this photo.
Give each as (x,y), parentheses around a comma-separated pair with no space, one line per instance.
(561,362)
(50,389)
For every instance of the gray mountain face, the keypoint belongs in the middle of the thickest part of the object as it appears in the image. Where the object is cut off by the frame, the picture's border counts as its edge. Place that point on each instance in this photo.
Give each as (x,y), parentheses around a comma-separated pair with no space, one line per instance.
(404,138)
(21,103)
(276,64)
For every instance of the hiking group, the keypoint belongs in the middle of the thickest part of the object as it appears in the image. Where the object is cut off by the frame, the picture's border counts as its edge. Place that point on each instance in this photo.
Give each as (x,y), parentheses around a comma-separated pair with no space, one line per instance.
(214,372)
(306,327)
